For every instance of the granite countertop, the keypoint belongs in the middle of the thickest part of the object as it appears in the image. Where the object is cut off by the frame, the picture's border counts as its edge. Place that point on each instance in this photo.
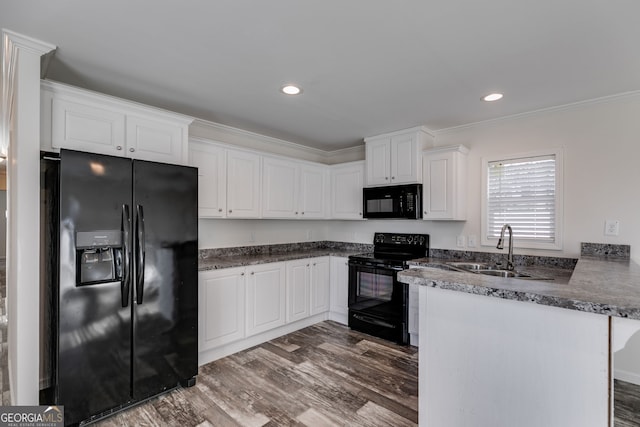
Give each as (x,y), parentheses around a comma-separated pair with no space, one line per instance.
(220,259)
(597,285)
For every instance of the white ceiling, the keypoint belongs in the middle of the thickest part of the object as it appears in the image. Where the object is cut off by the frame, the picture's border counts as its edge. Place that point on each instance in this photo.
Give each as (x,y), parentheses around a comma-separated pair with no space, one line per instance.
(367,66)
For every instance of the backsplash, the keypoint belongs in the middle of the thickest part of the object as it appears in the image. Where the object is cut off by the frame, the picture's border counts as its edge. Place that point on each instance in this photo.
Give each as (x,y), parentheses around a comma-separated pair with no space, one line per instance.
(605,250)
(496,258)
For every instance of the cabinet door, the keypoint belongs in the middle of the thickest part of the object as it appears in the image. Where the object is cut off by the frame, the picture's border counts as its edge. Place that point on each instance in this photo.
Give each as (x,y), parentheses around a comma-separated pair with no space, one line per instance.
(444,180)
(212,178)
(155,140)
(298,298)
(221,307)
(313,192)
(346,186)
(404,159)
(280,182)
(340,288)
(86,127)
(265,297)
(243,184)
(378,158)
(320,285)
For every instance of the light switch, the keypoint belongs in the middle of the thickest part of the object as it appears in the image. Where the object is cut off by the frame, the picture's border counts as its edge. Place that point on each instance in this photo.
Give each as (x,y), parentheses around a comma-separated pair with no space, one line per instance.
(460,241)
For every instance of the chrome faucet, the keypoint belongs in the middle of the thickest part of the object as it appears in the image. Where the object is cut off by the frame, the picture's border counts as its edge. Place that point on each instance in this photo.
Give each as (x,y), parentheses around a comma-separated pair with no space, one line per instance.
(501,245)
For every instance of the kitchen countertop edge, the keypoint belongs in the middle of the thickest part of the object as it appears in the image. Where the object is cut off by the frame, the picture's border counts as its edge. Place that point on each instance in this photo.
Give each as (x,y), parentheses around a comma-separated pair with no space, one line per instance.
(598,285)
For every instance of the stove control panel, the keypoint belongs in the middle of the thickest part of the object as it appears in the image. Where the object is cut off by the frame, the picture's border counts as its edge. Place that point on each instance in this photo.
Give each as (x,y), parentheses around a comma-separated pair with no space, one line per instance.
(401,239)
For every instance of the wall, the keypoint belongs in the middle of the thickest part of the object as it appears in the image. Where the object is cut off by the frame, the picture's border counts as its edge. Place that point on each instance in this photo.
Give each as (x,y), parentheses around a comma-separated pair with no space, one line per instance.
(601,144)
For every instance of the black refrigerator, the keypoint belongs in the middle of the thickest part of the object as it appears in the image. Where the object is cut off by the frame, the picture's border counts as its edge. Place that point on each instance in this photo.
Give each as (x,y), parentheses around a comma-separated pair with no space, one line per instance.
(120,243)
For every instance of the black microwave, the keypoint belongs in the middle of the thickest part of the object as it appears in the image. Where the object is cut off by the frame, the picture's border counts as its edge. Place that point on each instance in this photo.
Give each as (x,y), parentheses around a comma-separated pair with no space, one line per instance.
(396,201)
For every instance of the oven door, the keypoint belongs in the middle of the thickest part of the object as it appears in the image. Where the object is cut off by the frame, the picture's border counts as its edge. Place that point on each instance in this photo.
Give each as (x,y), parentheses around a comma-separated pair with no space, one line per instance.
(378,302)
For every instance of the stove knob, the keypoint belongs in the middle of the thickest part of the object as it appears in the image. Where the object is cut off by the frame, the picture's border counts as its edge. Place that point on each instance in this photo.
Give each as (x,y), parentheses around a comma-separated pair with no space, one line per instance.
(410,239)
(421,240)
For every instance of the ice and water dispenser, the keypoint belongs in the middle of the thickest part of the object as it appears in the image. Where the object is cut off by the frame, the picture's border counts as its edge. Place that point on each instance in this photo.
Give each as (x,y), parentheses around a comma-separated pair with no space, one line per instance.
(99,257)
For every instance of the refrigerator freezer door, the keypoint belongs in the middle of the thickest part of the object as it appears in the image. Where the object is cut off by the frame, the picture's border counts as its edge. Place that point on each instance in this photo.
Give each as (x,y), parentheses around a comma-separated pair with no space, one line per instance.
(166,300)
(94,339)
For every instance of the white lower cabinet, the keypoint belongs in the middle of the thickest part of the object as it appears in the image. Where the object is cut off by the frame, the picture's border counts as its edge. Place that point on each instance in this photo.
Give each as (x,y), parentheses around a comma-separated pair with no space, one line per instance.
(265,297)
(339,309)
(298,289)
(222,307)
(308,287)
(320,285)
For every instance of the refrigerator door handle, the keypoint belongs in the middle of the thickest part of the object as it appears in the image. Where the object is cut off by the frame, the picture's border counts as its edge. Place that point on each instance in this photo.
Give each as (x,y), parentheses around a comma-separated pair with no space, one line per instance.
(140,255)
(126,279)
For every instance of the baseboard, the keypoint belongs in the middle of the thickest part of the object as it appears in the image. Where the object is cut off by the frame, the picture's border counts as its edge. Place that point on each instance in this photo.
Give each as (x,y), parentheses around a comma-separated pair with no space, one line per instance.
(630,377)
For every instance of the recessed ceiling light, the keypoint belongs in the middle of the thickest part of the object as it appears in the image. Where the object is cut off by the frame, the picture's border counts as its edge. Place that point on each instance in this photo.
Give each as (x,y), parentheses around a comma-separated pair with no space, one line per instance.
(492,97)
(291,90)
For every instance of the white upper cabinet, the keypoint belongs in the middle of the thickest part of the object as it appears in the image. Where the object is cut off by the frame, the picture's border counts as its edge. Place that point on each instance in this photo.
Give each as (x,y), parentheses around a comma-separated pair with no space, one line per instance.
(395,158)
(314,186)
(293,189)
(82,120)
(347,180)
(243,184)
(280,188)
(444,183)
(211,161)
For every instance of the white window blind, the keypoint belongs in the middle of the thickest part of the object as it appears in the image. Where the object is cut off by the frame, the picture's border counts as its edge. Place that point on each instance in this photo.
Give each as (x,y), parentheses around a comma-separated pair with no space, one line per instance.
(522,192)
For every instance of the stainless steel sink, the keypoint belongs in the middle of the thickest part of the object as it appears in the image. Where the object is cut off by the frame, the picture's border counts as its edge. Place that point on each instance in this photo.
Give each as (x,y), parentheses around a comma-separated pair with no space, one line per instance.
(490,270)
(474,266)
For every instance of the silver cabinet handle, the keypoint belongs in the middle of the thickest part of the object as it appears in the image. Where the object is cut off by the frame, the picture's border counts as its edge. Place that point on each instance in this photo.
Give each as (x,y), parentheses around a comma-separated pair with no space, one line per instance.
(132,149)
(119,147)
(242,274)
(302,213)
(386,178)
(230,210)
(220,210)
(393,177)
(296,213)
(252,273)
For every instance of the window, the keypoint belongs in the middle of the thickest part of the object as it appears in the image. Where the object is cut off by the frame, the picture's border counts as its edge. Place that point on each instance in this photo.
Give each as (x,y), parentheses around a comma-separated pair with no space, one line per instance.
(524,191)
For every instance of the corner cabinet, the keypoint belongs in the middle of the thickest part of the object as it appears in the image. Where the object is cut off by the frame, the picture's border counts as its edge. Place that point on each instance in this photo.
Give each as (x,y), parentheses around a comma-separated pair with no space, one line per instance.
(395,158)
(347,181)
(293,189)
(82,120)
(444,183)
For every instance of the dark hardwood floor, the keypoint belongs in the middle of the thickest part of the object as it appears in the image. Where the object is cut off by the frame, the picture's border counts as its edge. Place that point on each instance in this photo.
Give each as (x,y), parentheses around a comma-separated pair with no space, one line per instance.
(323,375)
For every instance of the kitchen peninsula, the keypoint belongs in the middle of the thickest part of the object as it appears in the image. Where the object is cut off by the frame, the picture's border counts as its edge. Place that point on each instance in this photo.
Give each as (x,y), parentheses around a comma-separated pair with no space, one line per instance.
(503,351)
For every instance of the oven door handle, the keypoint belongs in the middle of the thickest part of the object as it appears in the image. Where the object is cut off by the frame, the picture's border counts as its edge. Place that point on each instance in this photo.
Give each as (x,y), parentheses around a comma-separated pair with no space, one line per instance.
(371,320)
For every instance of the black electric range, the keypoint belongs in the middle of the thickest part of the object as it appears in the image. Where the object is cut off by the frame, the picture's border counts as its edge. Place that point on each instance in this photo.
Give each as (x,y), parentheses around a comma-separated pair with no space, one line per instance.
(378,303)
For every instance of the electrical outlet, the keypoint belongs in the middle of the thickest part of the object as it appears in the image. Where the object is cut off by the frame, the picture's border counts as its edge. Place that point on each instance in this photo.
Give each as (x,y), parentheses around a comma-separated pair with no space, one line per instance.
(611,227)
(460,241)
(473,241)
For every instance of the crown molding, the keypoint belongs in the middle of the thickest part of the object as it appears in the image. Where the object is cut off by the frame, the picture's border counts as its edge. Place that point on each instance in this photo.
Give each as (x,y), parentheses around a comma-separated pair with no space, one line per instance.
(540,112)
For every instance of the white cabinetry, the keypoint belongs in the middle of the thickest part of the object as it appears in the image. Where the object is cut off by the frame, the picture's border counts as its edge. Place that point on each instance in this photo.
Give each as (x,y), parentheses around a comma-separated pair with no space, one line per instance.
(293,189)
(347,180)
(320,284)
(339,309)
(314,186)
(265,297)
(307,287)
(298,289)
(414,315)
(221,307)
(395,158)
(211,161)
(243,184)
(78,119)
(444,183)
